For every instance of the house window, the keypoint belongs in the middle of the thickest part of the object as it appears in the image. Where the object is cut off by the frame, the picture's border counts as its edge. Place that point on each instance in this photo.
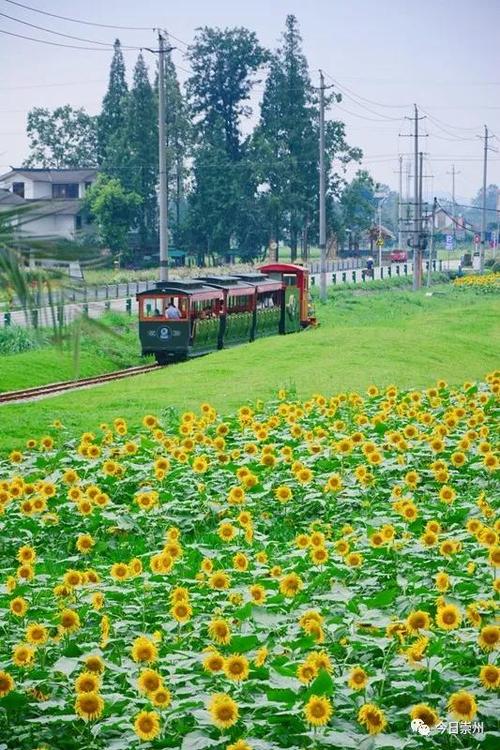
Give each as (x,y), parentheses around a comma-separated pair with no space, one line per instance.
(18,188)
(87,185)
(65,190)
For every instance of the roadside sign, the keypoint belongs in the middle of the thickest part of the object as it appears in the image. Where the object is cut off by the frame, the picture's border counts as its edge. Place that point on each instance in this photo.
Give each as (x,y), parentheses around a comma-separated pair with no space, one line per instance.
(273,245)
(449,242)
(380,242)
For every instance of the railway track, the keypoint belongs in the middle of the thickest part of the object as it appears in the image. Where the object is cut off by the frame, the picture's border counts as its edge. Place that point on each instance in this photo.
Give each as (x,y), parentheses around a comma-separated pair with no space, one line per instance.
(26,394)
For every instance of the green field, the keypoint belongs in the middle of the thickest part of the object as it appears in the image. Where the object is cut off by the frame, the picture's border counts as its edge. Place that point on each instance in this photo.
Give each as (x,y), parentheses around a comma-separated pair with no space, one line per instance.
(99,353)
(381,337)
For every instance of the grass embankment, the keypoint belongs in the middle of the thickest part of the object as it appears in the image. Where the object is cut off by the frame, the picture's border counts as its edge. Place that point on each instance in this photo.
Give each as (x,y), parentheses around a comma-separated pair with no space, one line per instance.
(388,337)
(100,352)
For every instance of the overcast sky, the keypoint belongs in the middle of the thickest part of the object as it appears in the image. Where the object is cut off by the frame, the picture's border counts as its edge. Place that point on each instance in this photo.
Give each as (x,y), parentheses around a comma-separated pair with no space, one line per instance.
(385,55)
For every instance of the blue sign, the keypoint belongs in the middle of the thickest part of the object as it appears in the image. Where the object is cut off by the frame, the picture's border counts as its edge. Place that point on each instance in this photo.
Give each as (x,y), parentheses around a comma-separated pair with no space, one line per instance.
(449,242)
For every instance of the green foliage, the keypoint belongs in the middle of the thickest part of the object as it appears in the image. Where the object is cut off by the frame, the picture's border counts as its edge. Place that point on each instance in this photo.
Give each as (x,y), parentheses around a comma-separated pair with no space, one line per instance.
(223,205)
(66,137)
(114,105)
(16,339)
(114,211)
(358,205)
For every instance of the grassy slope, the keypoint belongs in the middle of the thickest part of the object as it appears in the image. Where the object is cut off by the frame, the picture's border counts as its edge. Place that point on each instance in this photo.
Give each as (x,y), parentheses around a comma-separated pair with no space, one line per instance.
(99,354)
(398,337)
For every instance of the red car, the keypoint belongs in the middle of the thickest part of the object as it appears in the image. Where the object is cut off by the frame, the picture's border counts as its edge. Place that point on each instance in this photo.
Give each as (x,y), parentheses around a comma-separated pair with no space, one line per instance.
(399,256)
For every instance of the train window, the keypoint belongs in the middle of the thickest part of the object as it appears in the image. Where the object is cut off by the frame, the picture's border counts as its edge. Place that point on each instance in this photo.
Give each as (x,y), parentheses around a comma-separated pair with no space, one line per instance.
(153,307)
(290,279)
(157,307)
(268,300)
(239,303)
(206,308)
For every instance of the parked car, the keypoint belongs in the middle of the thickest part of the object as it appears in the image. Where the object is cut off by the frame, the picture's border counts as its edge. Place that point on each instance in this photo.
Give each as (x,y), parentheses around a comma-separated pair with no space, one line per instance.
(399,256)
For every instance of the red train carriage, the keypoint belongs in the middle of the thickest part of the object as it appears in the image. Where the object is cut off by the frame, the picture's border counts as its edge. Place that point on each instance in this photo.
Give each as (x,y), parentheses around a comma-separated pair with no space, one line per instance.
(179,319)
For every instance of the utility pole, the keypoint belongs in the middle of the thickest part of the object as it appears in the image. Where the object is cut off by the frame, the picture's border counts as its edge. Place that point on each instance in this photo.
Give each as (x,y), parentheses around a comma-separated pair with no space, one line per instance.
(400,205)
(483,216)
(322,189)
(417,267)
(417,209)
(431,243)
(416,213)
(162,154)
(453,201)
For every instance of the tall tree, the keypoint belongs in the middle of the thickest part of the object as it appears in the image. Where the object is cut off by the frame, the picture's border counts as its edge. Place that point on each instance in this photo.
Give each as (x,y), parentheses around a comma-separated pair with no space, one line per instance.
(287,141)
(286,136)
(114,105)
(133,154)
(224,63)
(179,138)
(359,204)
(114,211)
(66,137)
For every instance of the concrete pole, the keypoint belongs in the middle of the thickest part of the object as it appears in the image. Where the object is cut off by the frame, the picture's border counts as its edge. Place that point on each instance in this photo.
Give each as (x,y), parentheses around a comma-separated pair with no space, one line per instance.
(431,243)
(162,156)
(322,188)
(400,205)
(483,215)
(416,212)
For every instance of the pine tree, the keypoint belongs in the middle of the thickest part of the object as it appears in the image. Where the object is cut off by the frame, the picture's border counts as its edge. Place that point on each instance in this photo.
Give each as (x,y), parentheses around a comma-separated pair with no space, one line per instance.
(286,138)
(179,137)
(224,64)
(136,153)
(112,119)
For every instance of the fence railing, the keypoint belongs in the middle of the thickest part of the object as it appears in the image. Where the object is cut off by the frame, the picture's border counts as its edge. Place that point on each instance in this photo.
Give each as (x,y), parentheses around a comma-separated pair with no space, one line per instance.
(93,302)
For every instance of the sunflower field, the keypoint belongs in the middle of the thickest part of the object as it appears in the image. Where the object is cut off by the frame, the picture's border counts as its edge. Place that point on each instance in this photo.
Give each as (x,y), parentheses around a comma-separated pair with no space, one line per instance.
(488,282)
(301,574)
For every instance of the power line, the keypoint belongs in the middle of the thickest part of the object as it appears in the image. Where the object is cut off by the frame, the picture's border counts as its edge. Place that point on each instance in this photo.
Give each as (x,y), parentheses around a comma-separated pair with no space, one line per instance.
(59,33)
(57,44)
(76,20)
(370,101)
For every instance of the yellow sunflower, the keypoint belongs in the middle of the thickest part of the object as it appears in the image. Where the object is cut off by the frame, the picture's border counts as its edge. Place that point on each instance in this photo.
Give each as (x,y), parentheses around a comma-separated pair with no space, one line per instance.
(358,679)
(462,705)
(489,637)
(223,710)
(89,705)
(147,725)
(490,676)
(6,683)
(318,710)
(372,717)
(425,713)
(236,667)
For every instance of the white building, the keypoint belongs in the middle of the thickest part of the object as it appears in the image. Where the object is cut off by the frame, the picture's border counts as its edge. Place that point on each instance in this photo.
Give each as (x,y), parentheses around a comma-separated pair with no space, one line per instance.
(52,198)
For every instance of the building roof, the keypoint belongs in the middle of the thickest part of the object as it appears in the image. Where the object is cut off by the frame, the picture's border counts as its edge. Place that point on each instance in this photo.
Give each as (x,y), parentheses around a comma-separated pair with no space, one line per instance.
(7,198)
(50,208)
(52,175)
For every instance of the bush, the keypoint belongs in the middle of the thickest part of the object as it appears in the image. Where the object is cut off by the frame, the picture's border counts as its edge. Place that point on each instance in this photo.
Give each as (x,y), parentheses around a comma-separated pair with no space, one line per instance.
(15,339)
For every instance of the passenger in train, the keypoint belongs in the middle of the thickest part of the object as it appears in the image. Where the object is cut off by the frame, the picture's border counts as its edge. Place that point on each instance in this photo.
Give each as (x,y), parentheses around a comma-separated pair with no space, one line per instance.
(172,311)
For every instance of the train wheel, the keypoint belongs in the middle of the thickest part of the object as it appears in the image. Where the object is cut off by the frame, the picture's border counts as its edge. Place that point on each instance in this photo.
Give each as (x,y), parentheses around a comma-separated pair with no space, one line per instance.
(161,358)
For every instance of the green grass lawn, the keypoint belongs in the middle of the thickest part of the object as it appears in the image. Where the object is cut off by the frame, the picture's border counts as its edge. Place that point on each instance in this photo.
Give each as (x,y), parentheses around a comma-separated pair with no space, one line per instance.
(381,337)
(99,353)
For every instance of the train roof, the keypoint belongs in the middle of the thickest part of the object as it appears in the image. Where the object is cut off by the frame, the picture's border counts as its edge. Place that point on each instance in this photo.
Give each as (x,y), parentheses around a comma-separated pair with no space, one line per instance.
(178,286)
(225,282)
(283,267)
